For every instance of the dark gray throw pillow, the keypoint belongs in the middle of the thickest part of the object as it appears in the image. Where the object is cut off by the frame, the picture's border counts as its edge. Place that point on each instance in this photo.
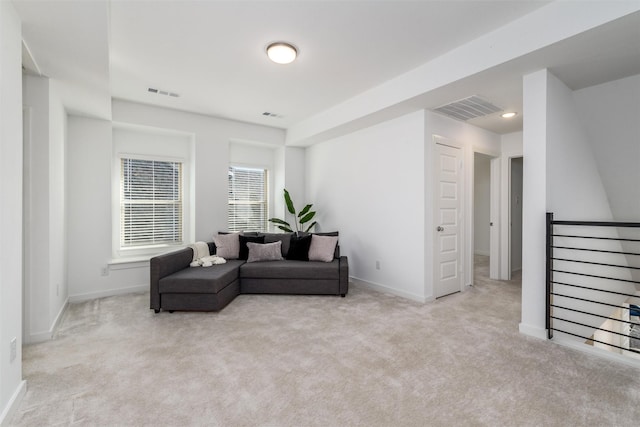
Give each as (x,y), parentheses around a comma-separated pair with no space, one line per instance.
(299,248)
(244,250)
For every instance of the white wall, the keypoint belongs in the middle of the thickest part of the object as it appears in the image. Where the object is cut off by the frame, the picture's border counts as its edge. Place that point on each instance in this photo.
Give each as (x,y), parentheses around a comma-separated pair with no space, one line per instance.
(58,204)
(574,187)
(610,116)
(36,207)
(290,173)
(534,203)
(369,186)
(89,162)
(295,172)
(277,209)
(511,144)
(90,154)
(11,384)
(45,274)
(481,203)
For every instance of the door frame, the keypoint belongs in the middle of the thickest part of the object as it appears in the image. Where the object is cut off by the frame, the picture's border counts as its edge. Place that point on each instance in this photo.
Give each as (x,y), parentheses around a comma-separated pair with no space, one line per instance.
(505,229)
(494,213)
(510,247)
(437,139)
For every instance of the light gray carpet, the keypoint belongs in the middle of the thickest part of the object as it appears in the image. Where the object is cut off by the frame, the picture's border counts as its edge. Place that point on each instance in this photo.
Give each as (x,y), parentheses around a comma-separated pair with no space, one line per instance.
(369,359)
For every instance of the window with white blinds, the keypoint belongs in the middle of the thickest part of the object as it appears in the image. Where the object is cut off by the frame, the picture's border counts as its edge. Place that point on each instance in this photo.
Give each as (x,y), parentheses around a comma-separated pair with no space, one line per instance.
(150,203)
(248,206)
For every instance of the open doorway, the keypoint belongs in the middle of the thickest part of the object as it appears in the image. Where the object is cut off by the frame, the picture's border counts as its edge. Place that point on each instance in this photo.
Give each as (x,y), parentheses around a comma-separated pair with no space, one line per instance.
(485,208)
(515,216)
(481,211)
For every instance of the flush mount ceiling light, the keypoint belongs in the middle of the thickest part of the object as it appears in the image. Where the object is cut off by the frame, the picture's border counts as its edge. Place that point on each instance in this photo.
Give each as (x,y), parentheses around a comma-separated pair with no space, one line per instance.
(282,53)
(509,115)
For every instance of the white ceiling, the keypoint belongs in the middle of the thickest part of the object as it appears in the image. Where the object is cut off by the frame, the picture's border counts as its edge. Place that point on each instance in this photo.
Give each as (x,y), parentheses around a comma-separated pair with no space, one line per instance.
(212,53)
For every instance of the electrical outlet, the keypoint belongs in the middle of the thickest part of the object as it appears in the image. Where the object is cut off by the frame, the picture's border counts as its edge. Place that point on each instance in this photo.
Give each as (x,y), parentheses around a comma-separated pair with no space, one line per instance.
(377,265)
(104,271)
(13,351)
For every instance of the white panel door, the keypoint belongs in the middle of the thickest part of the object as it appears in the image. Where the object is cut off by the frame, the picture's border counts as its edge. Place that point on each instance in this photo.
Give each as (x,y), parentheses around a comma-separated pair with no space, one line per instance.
(447,215)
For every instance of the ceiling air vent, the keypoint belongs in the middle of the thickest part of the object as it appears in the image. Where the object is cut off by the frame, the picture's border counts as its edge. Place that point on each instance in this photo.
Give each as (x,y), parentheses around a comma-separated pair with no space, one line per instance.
(163,92)
(468,108)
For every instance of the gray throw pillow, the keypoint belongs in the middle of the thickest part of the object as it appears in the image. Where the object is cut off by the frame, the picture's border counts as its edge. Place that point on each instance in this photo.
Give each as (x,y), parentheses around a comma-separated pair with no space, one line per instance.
(322,248)
(227,245)
(285,238)
(264,251)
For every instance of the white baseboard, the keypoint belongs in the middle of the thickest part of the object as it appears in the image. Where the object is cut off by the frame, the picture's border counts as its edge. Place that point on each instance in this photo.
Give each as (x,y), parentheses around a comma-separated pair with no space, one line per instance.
(483,253)
(58,318)
(533,331)
(12,405)
(387,290)
(38,337)
(33,338)
(585,348)
(108,293)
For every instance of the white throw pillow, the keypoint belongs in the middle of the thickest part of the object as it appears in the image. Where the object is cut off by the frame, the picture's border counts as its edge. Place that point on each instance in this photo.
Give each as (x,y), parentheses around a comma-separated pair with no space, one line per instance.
(264,251)
(227,245)
(322,248)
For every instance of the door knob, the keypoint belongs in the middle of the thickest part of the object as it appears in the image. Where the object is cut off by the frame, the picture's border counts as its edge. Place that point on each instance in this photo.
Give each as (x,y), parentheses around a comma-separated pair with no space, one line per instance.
(440,228)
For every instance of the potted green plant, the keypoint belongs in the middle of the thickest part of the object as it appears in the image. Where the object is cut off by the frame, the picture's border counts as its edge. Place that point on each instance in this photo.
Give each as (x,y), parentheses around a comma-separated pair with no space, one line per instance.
(299,219)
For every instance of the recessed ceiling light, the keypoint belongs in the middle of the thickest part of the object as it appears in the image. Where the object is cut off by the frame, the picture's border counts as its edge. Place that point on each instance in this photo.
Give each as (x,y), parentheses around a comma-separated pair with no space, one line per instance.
(509,115)
(282,53)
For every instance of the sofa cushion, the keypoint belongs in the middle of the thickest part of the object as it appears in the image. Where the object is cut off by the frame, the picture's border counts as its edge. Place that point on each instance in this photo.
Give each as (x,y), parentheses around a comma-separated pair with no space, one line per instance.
(331,233)
(322,248)
(327,233)
(264,252)
(299,248)
(291,270)
(244,250)
(201,280)
(227,245)
(285,238)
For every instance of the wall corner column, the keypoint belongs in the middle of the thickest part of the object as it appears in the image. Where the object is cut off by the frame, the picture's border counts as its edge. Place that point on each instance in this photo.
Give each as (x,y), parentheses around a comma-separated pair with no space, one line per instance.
(534,203)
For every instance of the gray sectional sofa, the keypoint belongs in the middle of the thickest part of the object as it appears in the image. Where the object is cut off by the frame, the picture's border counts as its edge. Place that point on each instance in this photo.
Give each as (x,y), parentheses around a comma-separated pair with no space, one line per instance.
(174,285)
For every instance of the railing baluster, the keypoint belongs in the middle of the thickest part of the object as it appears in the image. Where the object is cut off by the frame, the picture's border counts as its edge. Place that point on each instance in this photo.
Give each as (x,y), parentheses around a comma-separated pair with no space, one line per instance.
(549,272)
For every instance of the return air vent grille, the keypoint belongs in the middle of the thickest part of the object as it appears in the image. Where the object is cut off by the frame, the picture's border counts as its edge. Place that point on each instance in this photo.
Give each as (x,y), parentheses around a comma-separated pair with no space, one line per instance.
(468,108)
(163,92)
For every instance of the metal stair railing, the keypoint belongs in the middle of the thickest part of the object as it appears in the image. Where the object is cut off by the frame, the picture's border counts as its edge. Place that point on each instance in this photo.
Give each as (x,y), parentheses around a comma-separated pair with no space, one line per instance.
(570,292)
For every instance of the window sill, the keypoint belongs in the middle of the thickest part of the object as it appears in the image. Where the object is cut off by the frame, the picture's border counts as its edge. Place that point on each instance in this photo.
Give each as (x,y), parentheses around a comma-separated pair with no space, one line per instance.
(140,259)
(127,263)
